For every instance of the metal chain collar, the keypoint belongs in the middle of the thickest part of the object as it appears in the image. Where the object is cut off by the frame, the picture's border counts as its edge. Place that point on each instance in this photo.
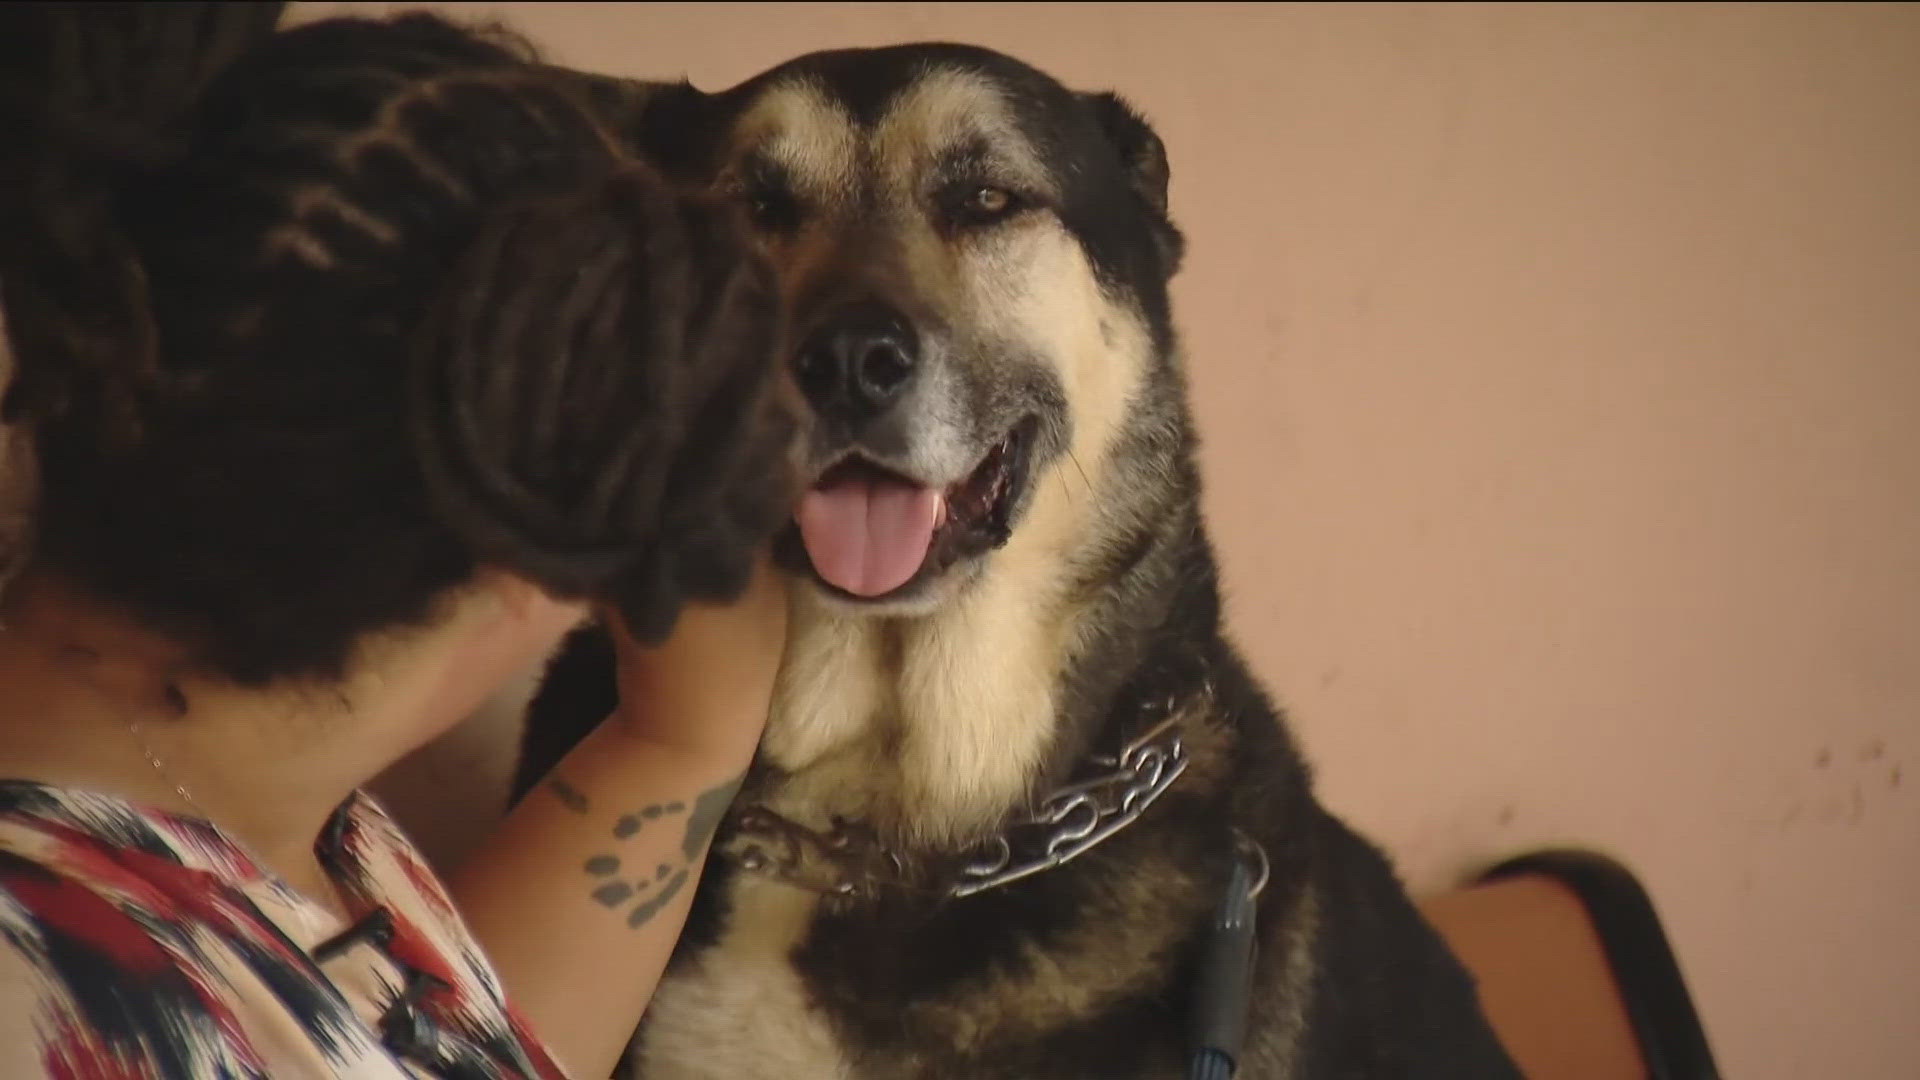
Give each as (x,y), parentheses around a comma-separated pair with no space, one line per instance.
(849,860)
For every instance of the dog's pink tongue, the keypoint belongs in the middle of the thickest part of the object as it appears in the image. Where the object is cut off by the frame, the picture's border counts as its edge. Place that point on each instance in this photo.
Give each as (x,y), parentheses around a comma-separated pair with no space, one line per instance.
(868,536)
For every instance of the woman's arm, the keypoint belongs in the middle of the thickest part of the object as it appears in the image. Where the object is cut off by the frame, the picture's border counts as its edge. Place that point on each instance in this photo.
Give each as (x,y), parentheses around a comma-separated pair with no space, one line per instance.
(580,895)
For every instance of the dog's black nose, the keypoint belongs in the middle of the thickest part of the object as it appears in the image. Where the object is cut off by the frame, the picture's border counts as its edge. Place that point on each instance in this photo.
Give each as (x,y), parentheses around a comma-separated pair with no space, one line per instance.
(858,361)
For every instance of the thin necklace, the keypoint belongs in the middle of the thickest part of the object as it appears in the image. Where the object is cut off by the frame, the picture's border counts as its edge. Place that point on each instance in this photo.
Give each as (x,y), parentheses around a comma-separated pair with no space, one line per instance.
(135,726)
(175,699)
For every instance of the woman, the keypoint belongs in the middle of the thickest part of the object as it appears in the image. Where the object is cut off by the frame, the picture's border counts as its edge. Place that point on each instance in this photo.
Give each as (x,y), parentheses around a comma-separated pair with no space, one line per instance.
(362,363)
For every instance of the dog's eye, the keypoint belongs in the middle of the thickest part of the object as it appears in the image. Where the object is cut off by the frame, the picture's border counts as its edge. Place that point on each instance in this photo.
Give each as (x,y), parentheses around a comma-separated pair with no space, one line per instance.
(771,207)
(989,202)
(980,204)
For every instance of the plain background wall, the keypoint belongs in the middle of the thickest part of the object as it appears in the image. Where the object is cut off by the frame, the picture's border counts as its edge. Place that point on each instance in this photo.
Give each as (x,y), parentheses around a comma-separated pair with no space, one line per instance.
(1559,370)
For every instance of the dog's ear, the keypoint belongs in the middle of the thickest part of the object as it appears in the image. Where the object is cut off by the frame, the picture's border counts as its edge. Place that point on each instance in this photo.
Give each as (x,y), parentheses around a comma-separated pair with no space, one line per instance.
(1140,149)
(1144,157)
(679,133)
(668,125)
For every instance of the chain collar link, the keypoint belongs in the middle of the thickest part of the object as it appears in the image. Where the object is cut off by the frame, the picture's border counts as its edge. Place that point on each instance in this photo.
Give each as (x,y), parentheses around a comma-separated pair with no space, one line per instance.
(849,860)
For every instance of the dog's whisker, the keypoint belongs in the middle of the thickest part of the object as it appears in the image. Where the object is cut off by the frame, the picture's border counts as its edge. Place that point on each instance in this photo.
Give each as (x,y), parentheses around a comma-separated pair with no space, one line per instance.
(1077,468)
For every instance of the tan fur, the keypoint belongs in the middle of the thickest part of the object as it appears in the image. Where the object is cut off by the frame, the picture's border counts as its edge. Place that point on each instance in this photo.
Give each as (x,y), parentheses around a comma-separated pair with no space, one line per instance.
(945,109)
(740,1012)
(795,126)
(831,706)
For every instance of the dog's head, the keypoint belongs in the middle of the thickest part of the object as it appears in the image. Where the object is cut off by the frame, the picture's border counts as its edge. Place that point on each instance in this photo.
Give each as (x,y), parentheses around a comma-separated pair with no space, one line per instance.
(975,261)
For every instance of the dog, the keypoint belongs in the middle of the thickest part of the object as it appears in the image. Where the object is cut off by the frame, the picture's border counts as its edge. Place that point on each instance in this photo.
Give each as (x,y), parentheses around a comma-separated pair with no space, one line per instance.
(1021,809)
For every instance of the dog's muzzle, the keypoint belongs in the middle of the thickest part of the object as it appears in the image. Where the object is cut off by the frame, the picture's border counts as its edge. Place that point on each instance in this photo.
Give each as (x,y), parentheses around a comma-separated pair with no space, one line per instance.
(872,525)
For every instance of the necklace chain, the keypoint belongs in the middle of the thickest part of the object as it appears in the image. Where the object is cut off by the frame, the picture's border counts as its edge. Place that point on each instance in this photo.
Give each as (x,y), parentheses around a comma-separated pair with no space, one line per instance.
(160,767)
(133,722)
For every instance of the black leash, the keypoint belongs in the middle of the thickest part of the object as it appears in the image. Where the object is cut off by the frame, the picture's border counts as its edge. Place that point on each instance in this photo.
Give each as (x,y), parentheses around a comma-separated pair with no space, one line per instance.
(1223,992)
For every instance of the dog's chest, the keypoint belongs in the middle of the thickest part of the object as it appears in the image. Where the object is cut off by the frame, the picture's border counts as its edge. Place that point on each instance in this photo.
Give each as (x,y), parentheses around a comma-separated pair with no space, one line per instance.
(739,1011)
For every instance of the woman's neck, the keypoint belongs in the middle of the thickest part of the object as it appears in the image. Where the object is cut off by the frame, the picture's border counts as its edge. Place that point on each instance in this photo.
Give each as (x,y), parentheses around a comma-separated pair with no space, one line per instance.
(95,701)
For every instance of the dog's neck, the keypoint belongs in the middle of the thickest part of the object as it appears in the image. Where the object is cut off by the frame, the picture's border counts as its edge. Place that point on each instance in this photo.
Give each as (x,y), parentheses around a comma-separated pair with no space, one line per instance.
(950,715)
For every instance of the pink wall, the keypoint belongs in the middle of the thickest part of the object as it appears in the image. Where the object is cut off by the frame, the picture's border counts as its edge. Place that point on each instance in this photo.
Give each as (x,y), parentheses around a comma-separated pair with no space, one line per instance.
(1560,371)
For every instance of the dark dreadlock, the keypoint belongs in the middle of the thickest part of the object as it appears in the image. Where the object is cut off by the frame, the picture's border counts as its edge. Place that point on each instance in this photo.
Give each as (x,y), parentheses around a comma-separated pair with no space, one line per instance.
(377,302)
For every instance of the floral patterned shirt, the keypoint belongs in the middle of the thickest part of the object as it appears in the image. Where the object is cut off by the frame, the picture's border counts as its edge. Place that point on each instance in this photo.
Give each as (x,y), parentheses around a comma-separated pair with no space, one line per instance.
(142,945)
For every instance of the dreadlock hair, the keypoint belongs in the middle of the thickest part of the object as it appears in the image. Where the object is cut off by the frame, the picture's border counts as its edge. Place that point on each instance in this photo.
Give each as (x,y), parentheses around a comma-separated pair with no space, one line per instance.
(378,303)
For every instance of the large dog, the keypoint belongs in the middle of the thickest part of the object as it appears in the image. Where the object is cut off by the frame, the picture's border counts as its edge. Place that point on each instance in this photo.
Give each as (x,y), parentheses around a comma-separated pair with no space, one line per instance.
(1017,790)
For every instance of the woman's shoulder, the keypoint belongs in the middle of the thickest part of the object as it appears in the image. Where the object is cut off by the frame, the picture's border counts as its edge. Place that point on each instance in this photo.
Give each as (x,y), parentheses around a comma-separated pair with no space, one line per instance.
(126,951)
(90,983)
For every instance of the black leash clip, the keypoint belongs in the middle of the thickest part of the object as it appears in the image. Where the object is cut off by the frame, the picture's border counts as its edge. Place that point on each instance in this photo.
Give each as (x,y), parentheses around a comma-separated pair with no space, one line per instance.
(1224,989)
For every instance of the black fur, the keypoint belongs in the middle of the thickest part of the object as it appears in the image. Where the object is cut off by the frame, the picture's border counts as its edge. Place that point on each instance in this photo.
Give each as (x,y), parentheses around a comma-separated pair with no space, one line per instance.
(1351,982)
(300,333)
